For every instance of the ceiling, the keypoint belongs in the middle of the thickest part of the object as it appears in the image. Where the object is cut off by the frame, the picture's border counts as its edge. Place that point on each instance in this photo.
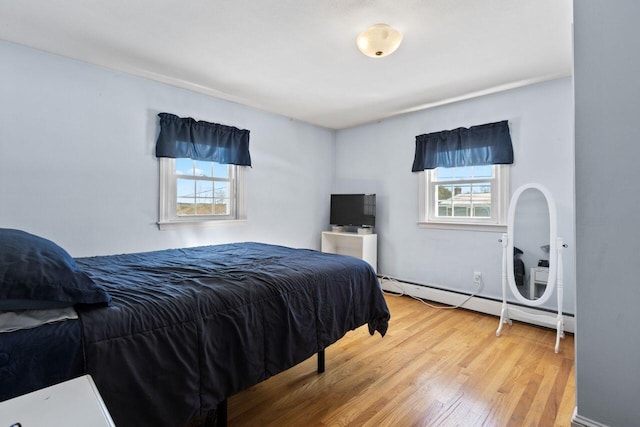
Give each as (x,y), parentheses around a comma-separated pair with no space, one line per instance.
(298,58)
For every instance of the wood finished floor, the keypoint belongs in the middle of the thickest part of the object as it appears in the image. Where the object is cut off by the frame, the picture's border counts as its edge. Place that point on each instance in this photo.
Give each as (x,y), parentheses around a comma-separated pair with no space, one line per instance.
(433,368)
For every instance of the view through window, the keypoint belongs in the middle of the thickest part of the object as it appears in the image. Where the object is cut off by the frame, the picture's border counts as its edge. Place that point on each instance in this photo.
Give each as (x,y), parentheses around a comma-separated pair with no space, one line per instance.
(203,188)
(463,191)
(473,197)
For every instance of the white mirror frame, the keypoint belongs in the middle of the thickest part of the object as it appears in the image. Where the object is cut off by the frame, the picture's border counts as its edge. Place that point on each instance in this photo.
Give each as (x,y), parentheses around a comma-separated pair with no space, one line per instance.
(553,237)
(556,246)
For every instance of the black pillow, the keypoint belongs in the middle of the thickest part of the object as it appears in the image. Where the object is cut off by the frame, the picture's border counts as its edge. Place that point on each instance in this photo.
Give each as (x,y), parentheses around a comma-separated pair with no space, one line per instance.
(37,274)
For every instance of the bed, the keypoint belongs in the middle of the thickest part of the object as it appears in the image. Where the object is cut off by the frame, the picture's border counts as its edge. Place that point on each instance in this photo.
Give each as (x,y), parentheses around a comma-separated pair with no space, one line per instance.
(179,331)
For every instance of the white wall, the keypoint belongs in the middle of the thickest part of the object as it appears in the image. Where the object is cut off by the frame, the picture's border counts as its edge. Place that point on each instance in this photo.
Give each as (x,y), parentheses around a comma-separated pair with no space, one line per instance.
(377,158)
(607,92)
(77,160)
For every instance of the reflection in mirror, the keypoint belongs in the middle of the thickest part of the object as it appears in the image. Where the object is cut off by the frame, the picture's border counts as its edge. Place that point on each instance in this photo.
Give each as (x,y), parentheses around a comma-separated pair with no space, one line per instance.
(531,244)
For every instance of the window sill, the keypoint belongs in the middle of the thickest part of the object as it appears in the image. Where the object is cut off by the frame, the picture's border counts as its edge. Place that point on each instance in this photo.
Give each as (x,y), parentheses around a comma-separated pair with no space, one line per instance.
(469,226)
(172,225)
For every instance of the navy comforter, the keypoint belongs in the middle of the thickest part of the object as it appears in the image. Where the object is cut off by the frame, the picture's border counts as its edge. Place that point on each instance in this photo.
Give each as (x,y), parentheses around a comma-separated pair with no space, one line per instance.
(189,327)
(31,359)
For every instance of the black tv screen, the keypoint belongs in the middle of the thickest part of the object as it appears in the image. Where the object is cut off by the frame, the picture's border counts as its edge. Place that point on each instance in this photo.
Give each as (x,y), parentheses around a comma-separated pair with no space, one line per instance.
(357,210)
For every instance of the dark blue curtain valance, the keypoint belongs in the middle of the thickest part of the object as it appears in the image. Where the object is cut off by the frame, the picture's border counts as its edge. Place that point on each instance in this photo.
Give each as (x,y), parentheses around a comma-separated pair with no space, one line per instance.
(187,138)
(488,144)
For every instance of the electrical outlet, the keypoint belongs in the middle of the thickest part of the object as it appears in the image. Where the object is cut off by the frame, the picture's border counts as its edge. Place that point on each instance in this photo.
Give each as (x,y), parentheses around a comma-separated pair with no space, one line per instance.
(477,277)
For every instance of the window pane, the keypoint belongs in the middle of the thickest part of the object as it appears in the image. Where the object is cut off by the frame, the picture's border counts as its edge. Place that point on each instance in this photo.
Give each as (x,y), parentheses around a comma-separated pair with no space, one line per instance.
(202,168)
(482,211)
(204,206)
(463,172)
(222,196)
(186,188)
(444,192)
(450,174)
(461,211)
(184,167)
(222,190)
(443,173)
(461,192)
(186,197)
(481,201)
(482,188)
(204,197)
(204,189)
(186,208)
(444,210)
(462,200)
(220,170)
(443,199)
(222,207)
(484,171)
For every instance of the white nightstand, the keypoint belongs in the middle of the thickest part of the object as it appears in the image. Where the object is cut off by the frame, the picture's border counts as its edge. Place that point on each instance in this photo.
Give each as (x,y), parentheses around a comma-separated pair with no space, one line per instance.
(73,403)
(538,277)
(363,246)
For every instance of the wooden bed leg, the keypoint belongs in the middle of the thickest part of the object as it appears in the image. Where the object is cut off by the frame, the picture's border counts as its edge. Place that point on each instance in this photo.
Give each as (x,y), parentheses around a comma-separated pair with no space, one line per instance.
(321,361)
(221,414)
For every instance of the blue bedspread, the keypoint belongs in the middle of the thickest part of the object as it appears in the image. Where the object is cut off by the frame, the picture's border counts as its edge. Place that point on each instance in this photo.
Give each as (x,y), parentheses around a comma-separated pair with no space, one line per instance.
(31,359)
(189,327)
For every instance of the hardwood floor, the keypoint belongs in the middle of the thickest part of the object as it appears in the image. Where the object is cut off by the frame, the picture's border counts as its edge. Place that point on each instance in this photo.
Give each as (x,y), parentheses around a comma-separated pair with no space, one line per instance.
(433,368)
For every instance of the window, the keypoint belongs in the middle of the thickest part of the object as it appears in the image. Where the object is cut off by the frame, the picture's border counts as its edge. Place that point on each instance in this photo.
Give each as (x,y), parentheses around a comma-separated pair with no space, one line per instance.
(472,197)
(200,192)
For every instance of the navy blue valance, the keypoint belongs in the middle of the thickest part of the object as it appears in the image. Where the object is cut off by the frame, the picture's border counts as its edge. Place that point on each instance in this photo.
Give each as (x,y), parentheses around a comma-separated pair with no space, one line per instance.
(199,140)
(488,144)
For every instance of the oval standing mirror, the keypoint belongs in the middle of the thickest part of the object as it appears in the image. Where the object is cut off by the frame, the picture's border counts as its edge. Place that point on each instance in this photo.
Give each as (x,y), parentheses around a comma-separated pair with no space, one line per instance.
(532,235)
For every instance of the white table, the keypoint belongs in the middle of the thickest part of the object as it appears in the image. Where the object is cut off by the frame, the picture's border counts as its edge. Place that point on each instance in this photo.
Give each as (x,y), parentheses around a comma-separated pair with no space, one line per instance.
(538,276)
(73,403)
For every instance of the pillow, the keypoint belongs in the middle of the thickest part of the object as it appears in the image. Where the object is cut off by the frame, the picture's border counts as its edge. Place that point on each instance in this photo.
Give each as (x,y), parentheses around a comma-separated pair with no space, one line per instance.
(37,274)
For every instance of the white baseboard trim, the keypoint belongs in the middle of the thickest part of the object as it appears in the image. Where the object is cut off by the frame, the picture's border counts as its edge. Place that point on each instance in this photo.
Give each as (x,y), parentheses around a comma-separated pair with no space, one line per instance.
(530,315)
(580,421)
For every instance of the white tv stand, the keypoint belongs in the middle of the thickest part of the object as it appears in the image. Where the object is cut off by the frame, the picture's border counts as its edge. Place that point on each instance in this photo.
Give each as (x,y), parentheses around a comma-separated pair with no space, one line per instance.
(363,246)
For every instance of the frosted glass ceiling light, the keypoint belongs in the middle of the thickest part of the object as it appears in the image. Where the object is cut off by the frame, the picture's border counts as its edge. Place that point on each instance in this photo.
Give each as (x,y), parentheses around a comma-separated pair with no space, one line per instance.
(379,40)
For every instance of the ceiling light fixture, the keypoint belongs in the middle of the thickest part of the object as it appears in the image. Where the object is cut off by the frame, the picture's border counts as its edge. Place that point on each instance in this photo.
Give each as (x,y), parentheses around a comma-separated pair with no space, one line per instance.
(379,40)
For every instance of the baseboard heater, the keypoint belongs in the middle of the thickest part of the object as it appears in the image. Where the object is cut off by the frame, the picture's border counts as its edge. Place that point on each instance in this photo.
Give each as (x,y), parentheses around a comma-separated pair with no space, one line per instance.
(477,303)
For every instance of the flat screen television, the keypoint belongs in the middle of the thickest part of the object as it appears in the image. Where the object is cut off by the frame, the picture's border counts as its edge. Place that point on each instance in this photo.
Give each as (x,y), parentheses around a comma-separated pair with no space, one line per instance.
(357,210)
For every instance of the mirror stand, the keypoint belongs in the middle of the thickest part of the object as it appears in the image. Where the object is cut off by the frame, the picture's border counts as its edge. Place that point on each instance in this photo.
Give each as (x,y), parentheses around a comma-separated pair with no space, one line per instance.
(555,279)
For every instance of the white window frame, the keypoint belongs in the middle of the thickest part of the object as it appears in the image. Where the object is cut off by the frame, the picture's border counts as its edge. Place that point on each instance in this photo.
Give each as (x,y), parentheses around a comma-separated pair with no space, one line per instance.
(499,203)
(168,198)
